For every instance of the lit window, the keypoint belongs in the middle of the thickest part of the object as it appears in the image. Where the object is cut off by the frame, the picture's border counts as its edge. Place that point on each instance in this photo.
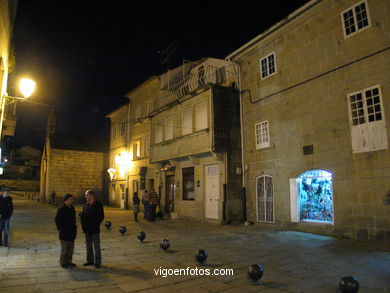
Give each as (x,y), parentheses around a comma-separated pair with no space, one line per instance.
(136,150)
(355,19)
(262,134)
(268,66)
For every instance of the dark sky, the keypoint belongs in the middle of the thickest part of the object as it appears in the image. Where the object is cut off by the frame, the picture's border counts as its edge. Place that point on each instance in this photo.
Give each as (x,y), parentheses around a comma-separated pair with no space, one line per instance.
(85,55)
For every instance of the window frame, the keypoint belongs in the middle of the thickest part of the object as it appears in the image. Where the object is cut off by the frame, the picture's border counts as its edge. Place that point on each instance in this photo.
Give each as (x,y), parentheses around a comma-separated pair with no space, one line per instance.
(122,128)
(357,30)
(261,144)
(166,126)
(261,69)
(207,116)
(113,132)
(183,128)
(186,174)
(159,124)
(365,107)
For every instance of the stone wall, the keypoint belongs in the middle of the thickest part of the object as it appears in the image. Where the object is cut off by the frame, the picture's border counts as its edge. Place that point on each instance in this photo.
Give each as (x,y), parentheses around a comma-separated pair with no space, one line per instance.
(23,185)
(74,172)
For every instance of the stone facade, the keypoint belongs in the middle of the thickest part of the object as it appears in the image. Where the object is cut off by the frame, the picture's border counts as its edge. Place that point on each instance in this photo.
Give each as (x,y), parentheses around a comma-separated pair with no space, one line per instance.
(7,18)
(308,103)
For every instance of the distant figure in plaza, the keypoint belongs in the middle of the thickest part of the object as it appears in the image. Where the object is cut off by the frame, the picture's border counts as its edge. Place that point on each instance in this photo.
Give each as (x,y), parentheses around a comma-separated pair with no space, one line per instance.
(145,202)
(153,202)
(136,202)
(91,218)
(53,197)
(6,210)
(66,225)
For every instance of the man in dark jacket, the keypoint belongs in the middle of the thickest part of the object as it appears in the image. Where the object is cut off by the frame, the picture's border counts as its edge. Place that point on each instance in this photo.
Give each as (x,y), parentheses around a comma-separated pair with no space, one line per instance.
(91,218)
(6,210)
(66,225)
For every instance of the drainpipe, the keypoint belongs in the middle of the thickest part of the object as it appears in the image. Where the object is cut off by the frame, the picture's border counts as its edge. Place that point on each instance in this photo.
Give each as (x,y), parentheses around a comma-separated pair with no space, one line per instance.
(243,189)
(128,151)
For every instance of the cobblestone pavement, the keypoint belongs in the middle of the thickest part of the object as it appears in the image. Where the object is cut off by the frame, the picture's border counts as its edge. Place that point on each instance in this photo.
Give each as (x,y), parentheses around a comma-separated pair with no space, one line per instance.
(292,261)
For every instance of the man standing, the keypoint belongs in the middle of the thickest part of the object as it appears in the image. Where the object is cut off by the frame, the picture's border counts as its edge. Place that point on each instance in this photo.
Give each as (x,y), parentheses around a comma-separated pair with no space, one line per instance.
(153,201)
(145,202)
(66,225)
(91,218)
(6,210)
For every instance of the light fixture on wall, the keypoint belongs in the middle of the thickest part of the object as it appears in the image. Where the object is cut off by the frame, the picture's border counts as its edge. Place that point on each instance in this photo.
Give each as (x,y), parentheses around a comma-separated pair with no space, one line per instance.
(111,172)
(198,183)
(178,183)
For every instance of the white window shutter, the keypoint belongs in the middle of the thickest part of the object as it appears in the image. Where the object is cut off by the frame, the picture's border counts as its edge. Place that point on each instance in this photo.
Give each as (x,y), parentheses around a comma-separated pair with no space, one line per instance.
(294,201)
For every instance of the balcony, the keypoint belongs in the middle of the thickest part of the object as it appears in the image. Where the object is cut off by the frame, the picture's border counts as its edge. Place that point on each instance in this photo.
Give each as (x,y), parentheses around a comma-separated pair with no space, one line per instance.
(201,80)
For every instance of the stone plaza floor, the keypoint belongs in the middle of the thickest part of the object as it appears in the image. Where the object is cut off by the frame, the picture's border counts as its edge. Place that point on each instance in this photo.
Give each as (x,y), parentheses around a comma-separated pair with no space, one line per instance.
(292,261)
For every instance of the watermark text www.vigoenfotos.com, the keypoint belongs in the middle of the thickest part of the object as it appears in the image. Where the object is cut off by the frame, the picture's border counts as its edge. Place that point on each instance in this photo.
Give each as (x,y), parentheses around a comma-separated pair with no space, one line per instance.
(165,272)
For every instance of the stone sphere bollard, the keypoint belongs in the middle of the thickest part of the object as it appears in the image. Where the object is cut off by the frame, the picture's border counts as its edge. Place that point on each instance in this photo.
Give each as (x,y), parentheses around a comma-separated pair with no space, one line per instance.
(164,244)
(122,230)
(201,255)
(255,272)
(349,284)
(108,224)
(141,235)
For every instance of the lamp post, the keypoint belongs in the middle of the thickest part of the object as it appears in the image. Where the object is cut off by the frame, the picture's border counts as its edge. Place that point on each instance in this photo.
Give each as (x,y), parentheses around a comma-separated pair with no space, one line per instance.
(27,87)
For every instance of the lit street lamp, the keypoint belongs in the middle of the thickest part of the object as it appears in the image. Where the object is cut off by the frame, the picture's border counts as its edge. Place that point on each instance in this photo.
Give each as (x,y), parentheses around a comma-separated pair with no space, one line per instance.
(27,87)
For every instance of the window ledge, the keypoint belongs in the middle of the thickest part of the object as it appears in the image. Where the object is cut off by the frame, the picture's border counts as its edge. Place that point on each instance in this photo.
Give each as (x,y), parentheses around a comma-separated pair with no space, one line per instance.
(272,146)
(206,130)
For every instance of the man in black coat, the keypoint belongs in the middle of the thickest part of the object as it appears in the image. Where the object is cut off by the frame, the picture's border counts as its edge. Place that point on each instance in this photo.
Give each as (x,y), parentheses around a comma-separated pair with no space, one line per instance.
(6,210)
(66,225)
(91,218)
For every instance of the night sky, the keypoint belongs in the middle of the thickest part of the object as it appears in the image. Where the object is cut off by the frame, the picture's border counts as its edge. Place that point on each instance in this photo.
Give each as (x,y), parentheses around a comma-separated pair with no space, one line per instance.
(86,55)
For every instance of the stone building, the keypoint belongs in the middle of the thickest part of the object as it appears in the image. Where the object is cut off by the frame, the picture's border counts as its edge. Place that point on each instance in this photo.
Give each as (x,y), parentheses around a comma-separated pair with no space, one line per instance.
(315,109)
(73,164)
(195,141)
(7,19)
(130,166)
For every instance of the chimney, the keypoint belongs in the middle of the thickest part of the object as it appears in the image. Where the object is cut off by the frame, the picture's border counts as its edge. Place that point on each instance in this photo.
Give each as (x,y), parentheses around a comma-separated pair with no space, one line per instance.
(51,124)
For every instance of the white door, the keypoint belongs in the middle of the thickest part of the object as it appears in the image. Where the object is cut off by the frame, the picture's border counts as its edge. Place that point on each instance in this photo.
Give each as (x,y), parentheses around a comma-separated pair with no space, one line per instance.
(122,194)
(212,191)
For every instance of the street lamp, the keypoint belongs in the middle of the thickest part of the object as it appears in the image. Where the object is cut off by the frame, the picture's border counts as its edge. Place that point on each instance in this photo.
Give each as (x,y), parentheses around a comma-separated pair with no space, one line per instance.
(27,87)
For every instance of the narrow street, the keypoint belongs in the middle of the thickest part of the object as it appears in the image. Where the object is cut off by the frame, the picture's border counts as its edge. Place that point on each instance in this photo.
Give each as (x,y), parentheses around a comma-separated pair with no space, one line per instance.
(292,261)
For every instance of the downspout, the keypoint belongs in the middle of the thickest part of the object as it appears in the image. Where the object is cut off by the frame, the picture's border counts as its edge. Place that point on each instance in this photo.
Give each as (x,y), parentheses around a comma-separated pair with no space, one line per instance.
(243,189)
(128,152)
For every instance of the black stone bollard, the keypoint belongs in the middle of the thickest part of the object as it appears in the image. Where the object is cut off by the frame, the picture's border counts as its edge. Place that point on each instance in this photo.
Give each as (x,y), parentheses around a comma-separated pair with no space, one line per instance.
(141,235)
(108,224)
(201,255)
(255,272)
(122,230)
(349,284)
(164,244)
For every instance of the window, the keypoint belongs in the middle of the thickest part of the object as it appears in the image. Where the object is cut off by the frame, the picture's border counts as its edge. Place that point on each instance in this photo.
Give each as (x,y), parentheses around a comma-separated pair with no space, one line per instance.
(186,125)
(138,113)
(169,128)
(355,19)
(136,150)
(267,66)
(201,116)
(158,132)
(262,134)
(149,108)
(123,128)
(188,183)
(113,132)
(311,197)
(368,130)
(122,189)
